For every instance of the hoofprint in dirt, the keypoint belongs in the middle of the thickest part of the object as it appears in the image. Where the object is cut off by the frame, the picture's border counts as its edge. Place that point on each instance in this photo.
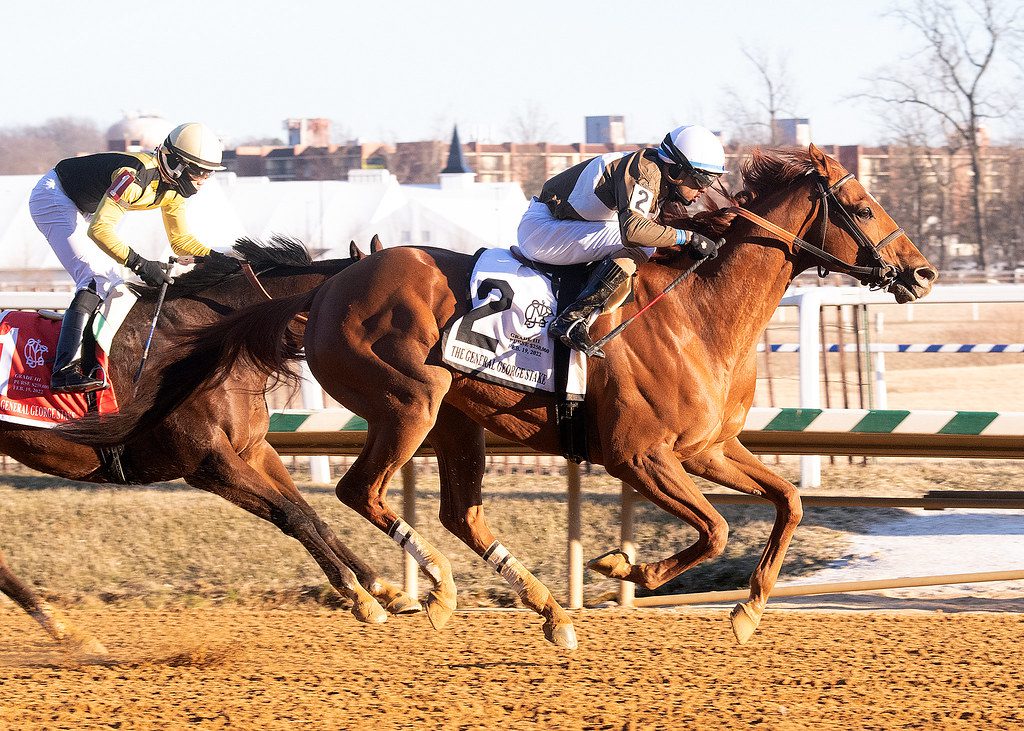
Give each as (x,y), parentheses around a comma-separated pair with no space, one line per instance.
(232,667)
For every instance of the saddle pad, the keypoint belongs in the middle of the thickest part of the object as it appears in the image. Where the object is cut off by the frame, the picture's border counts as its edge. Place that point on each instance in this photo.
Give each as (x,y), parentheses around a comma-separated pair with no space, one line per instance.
(504,338)
(28,342)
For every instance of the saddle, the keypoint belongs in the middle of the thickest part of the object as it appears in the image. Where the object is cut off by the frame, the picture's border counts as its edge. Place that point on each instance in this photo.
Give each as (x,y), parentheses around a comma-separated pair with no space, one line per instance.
(503,337)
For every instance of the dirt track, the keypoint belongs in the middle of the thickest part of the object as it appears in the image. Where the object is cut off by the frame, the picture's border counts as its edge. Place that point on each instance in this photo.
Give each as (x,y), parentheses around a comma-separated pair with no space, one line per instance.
(300,667)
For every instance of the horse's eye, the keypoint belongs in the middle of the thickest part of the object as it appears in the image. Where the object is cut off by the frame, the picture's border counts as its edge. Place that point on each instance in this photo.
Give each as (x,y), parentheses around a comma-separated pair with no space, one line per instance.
(865,213)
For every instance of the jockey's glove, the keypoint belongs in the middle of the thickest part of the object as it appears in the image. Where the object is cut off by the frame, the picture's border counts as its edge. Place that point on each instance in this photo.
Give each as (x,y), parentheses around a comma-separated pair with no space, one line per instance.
(697,245)
(151,272)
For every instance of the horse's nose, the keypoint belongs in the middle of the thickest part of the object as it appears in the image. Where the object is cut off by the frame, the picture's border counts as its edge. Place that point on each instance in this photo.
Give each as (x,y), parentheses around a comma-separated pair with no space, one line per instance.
(925,276)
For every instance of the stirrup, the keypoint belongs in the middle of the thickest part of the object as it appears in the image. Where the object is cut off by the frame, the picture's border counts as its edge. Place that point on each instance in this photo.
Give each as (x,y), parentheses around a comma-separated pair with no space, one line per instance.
(72,380)
(577,337)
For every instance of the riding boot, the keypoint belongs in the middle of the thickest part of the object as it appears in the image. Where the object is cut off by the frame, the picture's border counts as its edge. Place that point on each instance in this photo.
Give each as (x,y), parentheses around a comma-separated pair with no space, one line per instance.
(67,374)
(572,323)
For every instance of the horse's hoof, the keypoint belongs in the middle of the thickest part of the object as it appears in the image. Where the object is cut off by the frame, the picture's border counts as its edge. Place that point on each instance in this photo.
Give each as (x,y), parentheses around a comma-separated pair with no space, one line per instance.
(404,604)
(744,622)
(369,610)
(563,635)
(614,565)
(394,599)
(439,609)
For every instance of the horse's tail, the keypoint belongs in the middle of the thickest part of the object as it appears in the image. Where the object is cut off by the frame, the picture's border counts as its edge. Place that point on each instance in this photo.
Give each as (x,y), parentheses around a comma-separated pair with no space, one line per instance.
(259,338)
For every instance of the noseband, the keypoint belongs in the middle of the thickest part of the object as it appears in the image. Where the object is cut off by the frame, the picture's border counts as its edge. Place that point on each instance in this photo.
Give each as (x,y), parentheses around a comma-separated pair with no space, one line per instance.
(878,277)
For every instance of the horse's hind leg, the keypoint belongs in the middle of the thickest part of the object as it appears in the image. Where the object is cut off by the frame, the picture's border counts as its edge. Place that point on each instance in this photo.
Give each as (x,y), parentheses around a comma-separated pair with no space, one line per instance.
(735,467)
(267,463)
(459,444)
(661,479)
(70,637)
(391,440)
(226,474)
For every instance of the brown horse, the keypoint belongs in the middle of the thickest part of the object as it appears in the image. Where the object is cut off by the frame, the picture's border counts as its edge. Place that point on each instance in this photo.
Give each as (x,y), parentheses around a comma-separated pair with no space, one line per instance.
(668,401)
(217,442)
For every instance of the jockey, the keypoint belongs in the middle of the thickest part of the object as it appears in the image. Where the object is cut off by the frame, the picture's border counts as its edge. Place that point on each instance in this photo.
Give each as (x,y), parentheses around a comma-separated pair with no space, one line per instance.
(607,208)
(80,202)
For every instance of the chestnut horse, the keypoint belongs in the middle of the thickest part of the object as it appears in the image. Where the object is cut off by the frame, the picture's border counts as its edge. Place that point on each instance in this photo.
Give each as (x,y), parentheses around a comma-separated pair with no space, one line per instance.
(217,442)
(667,403)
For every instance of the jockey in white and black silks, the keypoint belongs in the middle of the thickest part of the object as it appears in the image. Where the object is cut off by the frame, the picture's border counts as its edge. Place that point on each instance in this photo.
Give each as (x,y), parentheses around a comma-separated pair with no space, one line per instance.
(77,206)
(607,209)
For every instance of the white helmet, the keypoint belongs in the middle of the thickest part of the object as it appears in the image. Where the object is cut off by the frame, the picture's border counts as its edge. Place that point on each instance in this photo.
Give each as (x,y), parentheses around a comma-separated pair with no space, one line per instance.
(696,150)
(191,150)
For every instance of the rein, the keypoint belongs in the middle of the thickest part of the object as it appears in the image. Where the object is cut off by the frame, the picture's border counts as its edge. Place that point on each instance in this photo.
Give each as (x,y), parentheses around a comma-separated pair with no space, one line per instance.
(597,345)
(254,280)
(880,276)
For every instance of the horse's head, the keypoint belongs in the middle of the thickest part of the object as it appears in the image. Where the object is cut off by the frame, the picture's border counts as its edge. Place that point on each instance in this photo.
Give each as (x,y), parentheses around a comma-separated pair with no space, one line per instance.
(847,230)
(863,235)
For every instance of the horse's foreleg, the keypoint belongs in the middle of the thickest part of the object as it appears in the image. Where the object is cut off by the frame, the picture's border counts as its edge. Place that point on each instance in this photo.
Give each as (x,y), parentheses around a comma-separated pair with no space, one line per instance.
(226,474)
(71,638)
(737,468)
(388,446)
(459,444)
(661,479)
(266,462)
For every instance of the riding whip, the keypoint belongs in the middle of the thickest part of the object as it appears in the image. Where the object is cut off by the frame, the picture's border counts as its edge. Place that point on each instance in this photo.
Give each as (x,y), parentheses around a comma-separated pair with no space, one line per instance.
(152,325)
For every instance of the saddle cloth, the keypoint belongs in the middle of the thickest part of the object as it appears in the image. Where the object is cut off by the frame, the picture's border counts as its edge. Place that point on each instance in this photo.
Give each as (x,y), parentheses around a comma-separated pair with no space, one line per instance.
(28,343)
(504,339)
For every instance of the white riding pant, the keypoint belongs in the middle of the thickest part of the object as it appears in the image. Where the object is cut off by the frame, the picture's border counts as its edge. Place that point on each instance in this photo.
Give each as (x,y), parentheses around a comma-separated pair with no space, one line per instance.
(544,238)
(65,229)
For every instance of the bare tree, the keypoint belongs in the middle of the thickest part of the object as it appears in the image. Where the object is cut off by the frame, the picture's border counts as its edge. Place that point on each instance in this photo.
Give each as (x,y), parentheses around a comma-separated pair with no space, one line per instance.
(920,179)
(531,124)
(755,120)
(964,44)
(1005,212)
(34,149)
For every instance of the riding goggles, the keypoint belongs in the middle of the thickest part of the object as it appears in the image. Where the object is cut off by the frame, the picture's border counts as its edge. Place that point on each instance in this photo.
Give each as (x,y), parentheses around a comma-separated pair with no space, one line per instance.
(681,166)
(703,179)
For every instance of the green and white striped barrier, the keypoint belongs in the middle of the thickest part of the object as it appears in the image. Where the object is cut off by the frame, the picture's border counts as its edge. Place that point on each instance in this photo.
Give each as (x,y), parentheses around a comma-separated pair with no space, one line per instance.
(889,421)
(324,420)
(860,421)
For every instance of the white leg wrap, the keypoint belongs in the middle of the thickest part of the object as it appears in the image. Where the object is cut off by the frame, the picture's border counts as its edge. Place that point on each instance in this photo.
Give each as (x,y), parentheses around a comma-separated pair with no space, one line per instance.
(412,543)
(50,619)
(508,566)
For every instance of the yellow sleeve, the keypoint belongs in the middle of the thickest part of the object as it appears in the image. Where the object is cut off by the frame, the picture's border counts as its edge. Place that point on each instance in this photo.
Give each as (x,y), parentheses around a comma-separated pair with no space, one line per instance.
(182,241)
(103,227)
(636,189)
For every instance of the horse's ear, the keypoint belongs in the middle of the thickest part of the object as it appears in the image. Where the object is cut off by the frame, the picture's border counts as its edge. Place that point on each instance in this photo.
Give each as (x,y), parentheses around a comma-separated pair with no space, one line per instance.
(353,251)
(375,244)
(820,159)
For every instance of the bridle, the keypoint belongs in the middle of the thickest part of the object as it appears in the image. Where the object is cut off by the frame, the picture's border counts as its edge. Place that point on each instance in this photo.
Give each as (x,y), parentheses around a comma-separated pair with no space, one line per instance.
(878,277)
(250,274)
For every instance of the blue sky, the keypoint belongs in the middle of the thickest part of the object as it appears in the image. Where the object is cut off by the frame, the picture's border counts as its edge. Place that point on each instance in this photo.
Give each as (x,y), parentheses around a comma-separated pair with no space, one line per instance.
(401,70)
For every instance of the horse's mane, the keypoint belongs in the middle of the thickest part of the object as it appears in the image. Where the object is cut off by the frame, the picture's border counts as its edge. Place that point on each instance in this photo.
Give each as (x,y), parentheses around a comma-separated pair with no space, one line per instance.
(281,251)
(765,171)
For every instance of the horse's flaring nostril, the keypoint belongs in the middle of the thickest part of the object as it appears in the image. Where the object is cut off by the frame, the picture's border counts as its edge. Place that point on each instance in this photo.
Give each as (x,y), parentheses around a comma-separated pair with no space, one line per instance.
(924,276)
